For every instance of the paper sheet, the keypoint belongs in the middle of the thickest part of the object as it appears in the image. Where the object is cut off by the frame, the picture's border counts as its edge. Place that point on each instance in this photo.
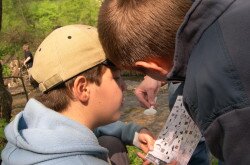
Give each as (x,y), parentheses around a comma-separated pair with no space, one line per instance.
(178,138)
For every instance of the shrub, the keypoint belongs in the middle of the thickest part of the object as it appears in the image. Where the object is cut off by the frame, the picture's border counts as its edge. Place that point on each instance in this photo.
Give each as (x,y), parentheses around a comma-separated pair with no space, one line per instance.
(3,140)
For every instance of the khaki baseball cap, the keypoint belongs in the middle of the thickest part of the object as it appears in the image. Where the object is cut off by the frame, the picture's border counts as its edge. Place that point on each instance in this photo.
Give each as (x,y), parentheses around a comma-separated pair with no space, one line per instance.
(65,53)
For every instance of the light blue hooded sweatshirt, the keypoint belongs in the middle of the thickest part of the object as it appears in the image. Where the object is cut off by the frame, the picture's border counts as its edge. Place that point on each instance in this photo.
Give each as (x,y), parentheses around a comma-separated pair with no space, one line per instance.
(39,135)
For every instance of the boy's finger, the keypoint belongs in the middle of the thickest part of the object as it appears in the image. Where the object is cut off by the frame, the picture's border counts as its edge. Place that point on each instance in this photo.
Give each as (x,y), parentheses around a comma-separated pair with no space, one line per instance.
(144,148)
(174,162)
(142,156)
(146,162)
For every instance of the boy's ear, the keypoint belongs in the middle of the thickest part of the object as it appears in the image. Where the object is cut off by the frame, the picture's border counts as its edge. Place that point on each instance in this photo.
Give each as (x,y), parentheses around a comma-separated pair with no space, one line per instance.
(151,66)
(80,89)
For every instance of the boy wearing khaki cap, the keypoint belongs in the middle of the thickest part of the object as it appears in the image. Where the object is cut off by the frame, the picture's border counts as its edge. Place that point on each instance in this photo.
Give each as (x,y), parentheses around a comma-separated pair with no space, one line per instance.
(82,90)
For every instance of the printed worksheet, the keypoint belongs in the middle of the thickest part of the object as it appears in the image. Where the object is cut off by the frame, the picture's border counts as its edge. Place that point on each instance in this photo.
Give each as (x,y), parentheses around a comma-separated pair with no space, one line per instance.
(178,138)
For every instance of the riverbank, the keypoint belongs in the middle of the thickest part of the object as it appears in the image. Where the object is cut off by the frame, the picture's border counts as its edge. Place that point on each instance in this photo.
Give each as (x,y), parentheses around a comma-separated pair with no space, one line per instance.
(133,112)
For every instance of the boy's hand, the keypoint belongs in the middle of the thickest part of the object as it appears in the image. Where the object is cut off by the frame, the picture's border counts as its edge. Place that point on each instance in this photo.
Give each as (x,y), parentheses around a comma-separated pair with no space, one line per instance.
(142,156)
(146,143)
(147,162)
(147,91)
(146,140)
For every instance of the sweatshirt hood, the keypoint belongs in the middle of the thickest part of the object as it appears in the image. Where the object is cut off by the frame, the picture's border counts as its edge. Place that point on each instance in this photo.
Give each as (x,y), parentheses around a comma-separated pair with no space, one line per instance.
(199,17)
(41,134)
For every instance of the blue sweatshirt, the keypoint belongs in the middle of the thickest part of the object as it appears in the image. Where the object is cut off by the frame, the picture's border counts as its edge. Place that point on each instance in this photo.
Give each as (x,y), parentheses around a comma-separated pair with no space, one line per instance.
(39,135)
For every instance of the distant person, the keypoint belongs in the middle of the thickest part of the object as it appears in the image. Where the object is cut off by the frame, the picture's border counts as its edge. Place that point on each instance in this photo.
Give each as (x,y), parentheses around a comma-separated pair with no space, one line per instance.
(77,106)
(28,57)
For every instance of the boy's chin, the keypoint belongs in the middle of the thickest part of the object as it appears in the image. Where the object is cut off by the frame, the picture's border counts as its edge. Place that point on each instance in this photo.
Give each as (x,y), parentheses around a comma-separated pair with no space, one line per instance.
(114,119)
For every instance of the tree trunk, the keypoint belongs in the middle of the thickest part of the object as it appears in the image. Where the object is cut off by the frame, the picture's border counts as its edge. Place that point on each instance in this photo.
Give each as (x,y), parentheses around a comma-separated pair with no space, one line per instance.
(5,99)
(5,108)
(1,12)
(5,96)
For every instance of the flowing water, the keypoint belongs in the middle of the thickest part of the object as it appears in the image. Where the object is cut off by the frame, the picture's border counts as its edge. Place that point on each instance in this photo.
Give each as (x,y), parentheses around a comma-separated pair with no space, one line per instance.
(133,112)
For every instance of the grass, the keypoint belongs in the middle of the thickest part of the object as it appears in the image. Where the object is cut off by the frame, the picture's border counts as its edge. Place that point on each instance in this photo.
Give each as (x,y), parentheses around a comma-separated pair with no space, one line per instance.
(2,137)
(132,154)
(135,160)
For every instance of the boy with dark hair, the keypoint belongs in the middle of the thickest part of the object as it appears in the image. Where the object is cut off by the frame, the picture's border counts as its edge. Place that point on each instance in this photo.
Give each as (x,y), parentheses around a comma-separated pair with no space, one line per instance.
(78,85)
(211,58)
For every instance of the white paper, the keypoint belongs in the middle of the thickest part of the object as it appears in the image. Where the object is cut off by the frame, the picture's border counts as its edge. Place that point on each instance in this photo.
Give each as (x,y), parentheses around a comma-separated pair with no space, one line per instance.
(178,138)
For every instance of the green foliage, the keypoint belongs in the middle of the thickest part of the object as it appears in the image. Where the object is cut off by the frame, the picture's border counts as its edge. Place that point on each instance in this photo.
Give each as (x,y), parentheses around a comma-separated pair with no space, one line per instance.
(29,21)
(135,160)
(3,123)
(86,10)
(6,71)
(132,154)
(8,48)
(49,14)
(214,161)
(11,16)
(45,17)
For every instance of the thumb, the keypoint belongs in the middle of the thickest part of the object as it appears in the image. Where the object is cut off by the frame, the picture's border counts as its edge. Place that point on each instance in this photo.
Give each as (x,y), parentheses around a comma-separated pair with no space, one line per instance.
(151,144)
(141,98)
(151,97)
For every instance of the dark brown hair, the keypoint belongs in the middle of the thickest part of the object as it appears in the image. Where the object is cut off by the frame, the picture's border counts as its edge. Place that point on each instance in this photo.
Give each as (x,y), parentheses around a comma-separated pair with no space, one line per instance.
(59,97)
(133,30)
